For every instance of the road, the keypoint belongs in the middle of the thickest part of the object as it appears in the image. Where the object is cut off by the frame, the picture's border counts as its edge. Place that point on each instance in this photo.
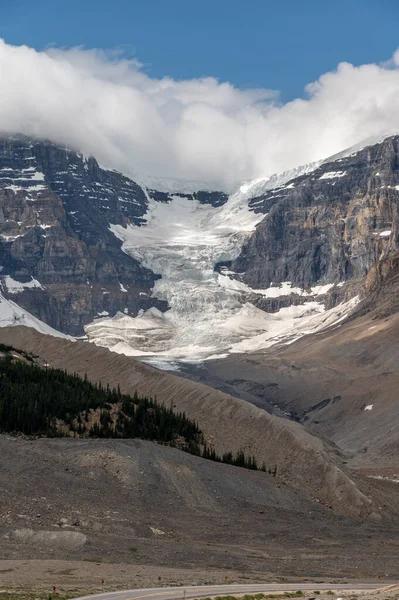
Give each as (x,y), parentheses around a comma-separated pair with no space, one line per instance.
(186,592)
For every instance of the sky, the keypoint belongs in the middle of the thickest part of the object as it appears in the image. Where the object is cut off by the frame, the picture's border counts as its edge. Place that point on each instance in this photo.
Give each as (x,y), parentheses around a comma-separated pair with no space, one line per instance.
(214,91)
(282,45)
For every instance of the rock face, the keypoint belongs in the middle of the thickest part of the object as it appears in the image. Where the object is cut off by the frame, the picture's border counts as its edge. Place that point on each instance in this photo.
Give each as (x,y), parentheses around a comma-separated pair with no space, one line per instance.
(330,225)
(55,211)
(215,199)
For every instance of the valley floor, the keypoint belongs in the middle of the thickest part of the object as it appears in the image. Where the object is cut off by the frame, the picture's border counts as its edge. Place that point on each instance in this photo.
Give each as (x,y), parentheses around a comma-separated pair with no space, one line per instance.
(149,508)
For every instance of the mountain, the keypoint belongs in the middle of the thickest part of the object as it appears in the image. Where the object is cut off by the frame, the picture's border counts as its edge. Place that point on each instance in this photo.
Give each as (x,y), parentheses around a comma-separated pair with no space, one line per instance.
(179,278)
(332,224)
(176,278)
(278,306)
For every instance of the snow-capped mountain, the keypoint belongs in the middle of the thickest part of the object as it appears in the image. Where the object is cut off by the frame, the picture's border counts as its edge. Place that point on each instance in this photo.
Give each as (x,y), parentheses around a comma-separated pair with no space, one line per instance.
(186,276)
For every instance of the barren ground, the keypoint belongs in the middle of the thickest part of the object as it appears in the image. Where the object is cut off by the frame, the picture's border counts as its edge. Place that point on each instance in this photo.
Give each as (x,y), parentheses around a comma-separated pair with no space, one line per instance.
(144,505)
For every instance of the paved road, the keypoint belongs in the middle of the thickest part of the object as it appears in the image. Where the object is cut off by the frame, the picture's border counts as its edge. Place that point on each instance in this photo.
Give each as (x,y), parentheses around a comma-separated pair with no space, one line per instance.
(182,593)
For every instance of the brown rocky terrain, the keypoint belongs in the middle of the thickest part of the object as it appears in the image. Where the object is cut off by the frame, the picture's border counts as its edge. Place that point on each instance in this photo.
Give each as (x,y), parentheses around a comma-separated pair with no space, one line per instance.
(229,424)
(341,384)
(138,503)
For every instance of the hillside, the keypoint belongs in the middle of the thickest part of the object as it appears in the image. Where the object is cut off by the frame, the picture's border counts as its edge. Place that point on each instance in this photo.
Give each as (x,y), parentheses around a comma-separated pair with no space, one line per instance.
(303,461)
(341,384)
(135,502)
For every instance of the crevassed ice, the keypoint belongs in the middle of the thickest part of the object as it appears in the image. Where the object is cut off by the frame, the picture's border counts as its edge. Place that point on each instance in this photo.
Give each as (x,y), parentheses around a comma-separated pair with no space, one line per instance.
(210,314)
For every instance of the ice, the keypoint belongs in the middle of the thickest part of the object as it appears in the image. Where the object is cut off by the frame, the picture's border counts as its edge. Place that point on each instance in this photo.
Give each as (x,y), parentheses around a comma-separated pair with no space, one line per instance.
(383,234)
(37,176)
(29,188)
(15,188)
(293,322)
(10,238)
(210,313)
(394,479)
(36,188)
(285,288)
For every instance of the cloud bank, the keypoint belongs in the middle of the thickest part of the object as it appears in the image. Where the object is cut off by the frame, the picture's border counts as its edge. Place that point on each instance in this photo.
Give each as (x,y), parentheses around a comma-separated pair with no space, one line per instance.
(199,129)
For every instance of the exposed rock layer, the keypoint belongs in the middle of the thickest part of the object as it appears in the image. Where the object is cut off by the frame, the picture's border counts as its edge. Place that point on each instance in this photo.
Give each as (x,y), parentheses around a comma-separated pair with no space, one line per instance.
(331,225)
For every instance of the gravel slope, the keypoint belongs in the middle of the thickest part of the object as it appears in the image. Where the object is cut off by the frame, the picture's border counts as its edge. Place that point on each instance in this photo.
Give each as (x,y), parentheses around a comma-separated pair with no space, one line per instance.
(303,460)
(135,502)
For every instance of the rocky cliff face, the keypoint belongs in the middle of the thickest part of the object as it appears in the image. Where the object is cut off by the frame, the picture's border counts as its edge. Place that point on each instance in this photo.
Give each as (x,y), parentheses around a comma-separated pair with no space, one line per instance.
(331,225)
(58,258)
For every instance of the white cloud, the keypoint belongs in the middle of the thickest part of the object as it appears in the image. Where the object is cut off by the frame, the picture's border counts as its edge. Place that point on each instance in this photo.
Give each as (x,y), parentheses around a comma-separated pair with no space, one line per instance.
(195,129)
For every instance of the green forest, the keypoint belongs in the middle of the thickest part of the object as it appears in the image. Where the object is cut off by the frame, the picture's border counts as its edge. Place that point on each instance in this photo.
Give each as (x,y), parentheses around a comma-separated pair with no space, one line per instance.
(37,401)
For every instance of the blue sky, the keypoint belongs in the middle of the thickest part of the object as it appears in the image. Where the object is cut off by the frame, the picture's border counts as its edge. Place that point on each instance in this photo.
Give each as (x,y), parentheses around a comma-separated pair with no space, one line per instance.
(281,45)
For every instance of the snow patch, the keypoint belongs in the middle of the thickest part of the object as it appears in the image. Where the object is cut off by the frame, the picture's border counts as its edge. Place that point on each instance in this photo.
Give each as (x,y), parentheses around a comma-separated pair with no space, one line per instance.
(16,287)
(394,479)
(286,289)
(369,407)
(333,174)
(12,315)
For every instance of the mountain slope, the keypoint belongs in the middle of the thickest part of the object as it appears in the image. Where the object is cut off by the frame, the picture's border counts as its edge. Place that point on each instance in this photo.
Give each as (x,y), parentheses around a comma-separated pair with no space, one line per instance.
(138,503)
(329,225)
(341,383)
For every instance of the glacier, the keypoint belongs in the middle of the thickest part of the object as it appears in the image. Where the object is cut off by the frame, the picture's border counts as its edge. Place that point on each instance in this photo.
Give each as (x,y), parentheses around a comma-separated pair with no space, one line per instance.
(210,312)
